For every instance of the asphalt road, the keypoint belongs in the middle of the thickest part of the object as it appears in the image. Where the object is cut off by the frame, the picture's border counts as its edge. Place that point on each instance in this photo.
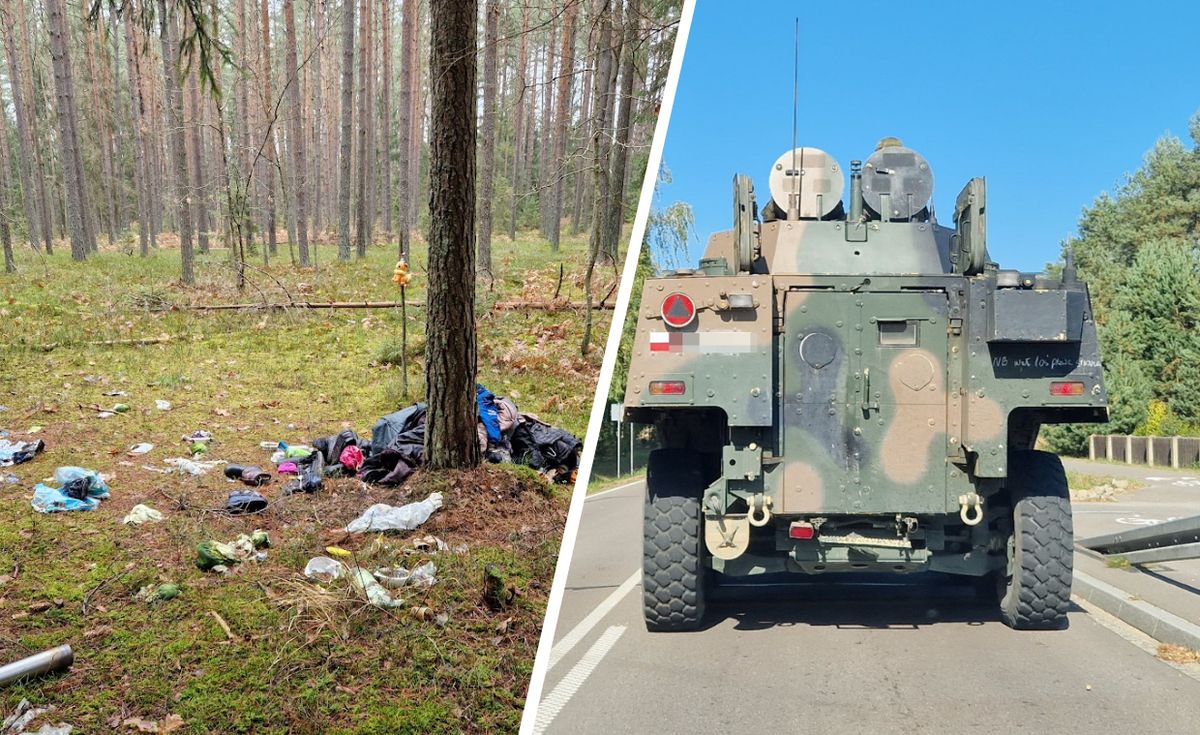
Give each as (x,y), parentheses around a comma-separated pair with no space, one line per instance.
(917,656)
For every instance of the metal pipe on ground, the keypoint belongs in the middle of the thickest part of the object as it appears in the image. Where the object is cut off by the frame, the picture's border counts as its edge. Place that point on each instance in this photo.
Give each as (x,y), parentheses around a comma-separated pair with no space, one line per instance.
(46,662)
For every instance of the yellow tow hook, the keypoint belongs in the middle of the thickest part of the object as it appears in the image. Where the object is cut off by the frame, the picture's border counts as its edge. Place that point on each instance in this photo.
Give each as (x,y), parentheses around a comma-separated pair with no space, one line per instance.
(760,510)
(968,503)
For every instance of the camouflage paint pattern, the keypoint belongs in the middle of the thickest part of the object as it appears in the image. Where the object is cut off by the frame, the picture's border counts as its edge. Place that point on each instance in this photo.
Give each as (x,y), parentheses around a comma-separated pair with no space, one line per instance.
(852,370)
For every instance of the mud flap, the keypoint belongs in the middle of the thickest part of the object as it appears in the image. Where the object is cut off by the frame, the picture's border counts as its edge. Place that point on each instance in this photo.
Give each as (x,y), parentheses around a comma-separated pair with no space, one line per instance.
(727,536)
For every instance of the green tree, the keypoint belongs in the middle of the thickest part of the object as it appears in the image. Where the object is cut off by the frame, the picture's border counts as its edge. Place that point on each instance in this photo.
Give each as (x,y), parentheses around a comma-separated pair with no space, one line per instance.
(1139,250)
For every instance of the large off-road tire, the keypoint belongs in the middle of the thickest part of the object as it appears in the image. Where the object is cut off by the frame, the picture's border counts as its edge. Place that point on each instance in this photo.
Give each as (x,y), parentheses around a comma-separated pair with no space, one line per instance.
(1036,592)
(673,564)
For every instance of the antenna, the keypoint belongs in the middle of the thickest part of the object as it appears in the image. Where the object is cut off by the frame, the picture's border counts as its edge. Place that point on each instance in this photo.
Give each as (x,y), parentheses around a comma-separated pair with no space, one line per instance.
(794,212)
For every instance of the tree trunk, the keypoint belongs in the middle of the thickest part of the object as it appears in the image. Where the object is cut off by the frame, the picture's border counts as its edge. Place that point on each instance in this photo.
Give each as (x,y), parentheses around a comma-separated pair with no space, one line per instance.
(178,147)
(344,151)
(450,350)
(519,121)
(77,208)
(580,155)
(361,205)
(109,180)
(317,106)
(563,116)
(295,136)
(545,170)
(600,153)
(269,114)
(408,80)
(385,117)
(10,265)
(623,127)
(245,176)
(416,138)
(196,130)
(487,171)
(33,184)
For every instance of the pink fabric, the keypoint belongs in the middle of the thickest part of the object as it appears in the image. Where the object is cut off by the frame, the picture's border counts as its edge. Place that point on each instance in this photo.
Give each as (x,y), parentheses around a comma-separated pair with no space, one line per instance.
(288,468)
(352,458)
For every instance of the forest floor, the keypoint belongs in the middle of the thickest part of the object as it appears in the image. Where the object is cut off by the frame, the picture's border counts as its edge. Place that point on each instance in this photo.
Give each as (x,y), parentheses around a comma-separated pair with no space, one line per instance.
(295,658)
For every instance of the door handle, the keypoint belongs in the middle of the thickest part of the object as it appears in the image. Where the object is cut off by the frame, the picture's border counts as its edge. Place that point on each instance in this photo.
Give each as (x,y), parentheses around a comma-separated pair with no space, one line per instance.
(867,404)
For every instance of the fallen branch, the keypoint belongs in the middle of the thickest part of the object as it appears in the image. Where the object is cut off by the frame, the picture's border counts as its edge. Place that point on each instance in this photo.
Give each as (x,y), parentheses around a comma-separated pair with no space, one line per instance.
(498,306)
(112,342)
(223,624)
(545,305)
(293,305)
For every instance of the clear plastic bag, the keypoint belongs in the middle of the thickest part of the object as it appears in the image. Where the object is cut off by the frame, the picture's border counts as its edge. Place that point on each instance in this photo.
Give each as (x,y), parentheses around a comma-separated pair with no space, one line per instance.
(383,517)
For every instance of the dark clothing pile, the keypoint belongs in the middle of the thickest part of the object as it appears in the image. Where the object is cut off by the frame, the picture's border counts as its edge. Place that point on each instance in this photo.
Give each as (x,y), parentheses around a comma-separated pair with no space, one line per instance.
(546,448)
(397,446)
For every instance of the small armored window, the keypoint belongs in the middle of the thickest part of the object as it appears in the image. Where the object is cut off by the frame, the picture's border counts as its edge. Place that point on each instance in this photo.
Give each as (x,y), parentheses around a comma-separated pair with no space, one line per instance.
(898,334)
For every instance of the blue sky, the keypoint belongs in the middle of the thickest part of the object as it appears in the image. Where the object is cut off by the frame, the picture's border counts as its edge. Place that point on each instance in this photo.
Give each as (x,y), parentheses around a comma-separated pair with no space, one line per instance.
(1052,104)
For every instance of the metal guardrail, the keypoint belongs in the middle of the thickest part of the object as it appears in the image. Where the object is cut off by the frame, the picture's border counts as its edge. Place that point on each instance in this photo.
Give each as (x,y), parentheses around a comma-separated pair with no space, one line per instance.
(1176,540)
(1155,451)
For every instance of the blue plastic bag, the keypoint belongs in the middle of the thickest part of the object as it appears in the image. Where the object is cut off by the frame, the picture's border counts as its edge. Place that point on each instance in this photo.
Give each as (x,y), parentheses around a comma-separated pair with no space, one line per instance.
(96,485)
(48,499)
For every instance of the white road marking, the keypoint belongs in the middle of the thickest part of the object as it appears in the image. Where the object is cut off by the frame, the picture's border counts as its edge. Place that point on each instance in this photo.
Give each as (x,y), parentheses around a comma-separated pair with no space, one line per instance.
(614,489)
(566,688)
(572,639)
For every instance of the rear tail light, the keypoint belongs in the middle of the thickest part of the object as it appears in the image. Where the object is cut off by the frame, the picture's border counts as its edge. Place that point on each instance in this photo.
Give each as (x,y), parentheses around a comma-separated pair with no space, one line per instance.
(667,387)
(802,531)
(1073,388)
(678,310)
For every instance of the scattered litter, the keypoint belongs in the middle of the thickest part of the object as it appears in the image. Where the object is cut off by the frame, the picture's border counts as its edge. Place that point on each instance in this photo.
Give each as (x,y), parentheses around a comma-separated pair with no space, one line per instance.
(193,467)
(160,593)
(142,448)
(211,555)
(47,662)
(351,458)
(162,405)
(199,448)
(432,544)
(325,569)
(9,478)
(269,446)
(375,592)
(422,613)
(383,517)
(12,453)
(295,452)
(170,723)
(245,501)
(120,408)
(140,514)
(3,409)
(395,578)
(441,619)
(25,713)
(253,476)
(115,393)
(200,435)
(105,415)
(288,468)
(81,490)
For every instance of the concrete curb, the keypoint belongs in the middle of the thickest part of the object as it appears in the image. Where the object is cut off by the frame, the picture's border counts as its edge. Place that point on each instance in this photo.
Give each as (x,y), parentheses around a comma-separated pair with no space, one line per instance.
(1150,619)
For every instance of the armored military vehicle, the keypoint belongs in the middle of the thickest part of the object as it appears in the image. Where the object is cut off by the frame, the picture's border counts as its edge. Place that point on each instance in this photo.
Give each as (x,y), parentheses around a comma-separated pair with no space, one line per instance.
(846,385)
